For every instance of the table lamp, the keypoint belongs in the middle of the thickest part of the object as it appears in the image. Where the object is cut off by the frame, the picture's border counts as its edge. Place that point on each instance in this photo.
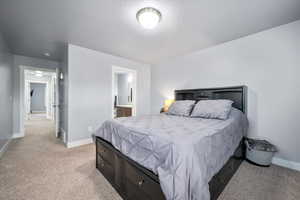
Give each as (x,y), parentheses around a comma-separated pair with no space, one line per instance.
(167,104)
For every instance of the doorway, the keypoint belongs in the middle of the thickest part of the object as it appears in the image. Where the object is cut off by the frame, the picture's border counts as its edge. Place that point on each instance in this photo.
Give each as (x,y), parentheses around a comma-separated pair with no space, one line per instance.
(38,101)
(123,92)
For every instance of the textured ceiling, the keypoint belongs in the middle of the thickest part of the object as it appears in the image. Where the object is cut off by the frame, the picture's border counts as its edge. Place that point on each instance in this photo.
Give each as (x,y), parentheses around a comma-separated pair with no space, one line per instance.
(33,27)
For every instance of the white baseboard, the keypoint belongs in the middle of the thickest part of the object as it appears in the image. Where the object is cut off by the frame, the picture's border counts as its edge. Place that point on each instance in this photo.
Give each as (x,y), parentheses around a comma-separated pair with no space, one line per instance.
(4,148)
(63,135)
(286,163)
(18,135)
(79,143)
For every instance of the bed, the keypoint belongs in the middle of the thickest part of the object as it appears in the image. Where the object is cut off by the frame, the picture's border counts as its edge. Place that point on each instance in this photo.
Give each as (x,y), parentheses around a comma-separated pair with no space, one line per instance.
(172,157)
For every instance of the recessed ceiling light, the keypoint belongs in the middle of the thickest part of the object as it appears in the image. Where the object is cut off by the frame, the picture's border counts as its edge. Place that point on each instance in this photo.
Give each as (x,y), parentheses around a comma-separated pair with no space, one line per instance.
(47,54)
(38,73)
(148,17)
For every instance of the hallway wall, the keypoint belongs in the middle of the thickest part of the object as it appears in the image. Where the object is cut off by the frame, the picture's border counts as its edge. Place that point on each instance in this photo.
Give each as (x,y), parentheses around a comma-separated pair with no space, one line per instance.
(6,82)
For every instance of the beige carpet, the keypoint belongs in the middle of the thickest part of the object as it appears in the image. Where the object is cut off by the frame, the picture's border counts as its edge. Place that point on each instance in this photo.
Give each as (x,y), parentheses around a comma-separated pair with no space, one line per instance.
(39,167)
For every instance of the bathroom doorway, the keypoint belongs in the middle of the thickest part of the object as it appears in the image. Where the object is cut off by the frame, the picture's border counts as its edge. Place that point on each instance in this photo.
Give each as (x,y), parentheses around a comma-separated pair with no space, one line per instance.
(124,92)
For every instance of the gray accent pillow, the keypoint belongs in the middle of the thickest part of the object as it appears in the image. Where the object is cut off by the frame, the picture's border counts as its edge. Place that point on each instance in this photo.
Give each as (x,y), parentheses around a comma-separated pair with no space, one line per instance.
(212,109)
(181,108)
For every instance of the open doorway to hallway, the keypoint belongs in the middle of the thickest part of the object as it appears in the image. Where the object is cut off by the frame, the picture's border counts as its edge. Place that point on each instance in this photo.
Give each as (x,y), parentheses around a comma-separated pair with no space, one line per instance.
(39,104)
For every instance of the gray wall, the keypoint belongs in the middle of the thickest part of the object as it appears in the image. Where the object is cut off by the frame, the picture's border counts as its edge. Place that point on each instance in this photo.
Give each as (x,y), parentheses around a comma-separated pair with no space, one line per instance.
(5,92)
(37,101)
(90,89)
(31,62)
(267,62)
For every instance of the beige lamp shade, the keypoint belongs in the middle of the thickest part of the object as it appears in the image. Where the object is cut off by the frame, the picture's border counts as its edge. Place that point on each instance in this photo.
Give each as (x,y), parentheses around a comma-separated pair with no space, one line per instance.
(167,104)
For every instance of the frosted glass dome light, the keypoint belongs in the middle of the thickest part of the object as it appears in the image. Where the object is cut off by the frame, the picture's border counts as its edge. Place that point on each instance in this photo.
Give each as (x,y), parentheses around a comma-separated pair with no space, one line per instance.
(148,17)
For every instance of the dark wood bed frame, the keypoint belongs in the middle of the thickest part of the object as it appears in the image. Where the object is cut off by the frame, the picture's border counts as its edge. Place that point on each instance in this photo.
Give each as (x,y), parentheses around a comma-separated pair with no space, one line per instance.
(134,182)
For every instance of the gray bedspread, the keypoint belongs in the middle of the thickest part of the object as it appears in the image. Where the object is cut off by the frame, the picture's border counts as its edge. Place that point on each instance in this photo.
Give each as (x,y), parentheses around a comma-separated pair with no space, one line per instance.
(185,152)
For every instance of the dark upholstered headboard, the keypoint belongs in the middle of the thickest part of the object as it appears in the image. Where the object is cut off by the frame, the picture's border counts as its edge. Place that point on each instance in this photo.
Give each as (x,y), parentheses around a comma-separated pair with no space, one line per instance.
(237,94)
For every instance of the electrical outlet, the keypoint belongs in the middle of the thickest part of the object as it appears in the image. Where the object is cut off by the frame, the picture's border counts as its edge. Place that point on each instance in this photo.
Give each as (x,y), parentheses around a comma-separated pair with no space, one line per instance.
(90,129)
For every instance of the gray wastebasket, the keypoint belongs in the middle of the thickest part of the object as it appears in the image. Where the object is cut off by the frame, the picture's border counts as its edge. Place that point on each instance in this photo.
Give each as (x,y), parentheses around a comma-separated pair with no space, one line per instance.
(260,152)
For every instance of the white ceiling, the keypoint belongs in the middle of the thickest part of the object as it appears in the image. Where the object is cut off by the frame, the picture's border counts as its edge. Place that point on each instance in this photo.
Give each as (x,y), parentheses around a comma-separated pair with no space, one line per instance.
(33,27)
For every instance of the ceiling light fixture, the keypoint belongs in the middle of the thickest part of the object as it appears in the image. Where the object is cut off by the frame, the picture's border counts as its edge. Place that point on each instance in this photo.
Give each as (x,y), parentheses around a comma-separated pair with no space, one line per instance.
(38,73)
(47,54)
(148,17)
(61,76)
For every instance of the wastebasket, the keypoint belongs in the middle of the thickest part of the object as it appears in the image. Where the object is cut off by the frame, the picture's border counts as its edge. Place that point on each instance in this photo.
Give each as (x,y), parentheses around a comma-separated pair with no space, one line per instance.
(260,152)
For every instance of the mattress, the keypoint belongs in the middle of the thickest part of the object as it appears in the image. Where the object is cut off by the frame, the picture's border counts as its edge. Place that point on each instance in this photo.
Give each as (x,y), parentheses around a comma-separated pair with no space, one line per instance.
(184,152)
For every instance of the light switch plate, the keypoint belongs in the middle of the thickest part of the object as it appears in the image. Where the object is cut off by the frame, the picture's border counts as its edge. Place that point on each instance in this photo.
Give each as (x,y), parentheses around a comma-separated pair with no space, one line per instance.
(90,129)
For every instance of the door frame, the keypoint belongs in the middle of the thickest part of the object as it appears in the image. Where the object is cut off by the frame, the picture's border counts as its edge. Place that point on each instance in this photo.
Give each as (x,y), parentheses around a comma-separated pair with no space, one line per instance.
(22,114)
(117,69)
(56,106)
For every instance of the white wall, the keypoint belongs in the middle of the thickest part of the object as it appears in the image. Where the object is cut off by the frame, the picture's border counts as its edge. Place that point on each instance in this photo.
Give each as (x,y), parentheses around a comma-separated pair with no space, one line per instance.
(38,98)
(30,62)
(267,62)
(90,89)
(5,92)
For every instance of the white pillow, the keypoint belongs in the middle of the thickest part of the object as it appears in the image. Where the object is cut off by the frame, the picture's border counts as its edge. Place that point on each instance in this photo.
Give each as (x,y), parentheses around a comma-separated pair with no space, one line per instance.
(181,108)
(212,109)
